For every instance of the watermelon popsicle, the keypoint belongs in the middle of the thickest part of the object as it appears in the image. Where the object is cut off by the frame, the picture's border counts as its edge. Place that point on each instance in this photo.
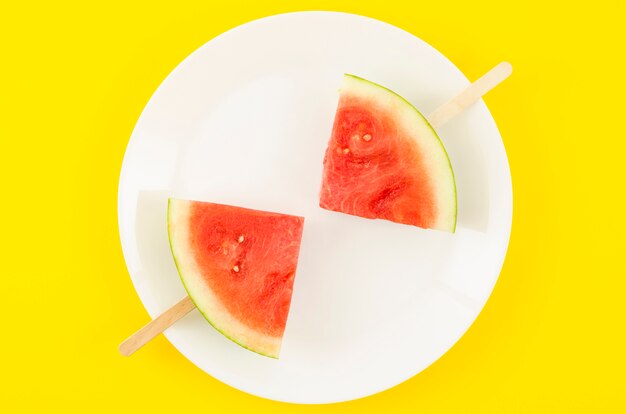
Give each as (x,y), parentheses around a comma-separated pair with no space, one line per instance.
(238,266)
(384,159)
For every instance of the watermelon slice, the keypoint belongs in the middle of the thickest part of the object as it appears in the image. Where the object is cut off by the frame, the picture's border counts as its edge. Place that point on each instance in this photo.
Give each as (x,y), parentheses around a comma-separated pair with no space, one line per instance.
(238,266)
(385,161)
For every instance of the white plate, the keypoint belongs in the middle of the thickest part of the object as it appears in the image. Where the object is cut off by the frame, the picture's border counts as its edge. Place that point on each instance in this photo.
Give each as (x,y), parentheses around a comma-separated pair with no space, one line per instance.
(245,120)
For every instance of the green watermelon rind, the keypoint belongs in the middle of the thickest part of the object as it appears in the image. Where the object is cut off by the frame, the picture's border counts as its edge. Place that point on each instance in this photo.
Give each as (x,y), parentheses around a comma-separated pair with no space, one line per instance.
(423,118)
(191,296)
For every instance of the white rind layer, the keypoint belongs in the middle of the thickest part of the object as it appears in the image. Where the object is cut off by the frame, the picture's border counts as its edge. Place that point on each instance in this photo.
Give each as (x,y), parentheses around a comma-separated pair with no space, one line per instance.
(435,156)
(201,294)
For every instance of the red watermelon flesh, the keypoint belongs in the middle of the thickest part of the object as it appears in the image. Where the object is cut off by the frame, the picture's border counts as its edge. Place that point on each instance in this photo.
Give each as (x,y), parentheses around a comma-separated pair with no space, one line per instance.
(238,266)
(384,161)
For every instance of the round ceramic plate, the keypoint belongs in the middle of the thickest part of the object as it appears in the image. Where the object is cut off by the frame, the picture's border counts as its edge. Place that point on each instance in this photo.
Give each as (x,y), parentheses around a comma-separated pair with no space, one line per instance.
(245,121)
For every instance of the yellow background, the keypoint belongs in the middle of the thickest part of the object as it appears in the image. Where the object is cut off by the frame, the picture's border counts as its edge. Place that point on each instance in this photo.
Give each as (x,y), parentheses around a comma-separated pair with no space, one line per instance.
(73,81)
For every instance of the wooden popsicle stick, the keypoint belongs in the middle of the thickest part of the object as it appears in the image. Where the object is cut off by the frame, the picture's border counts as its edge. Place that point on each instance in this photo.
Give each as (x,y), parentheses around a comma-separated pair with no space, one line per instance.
(439,117)
(470,94)
(156,326)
